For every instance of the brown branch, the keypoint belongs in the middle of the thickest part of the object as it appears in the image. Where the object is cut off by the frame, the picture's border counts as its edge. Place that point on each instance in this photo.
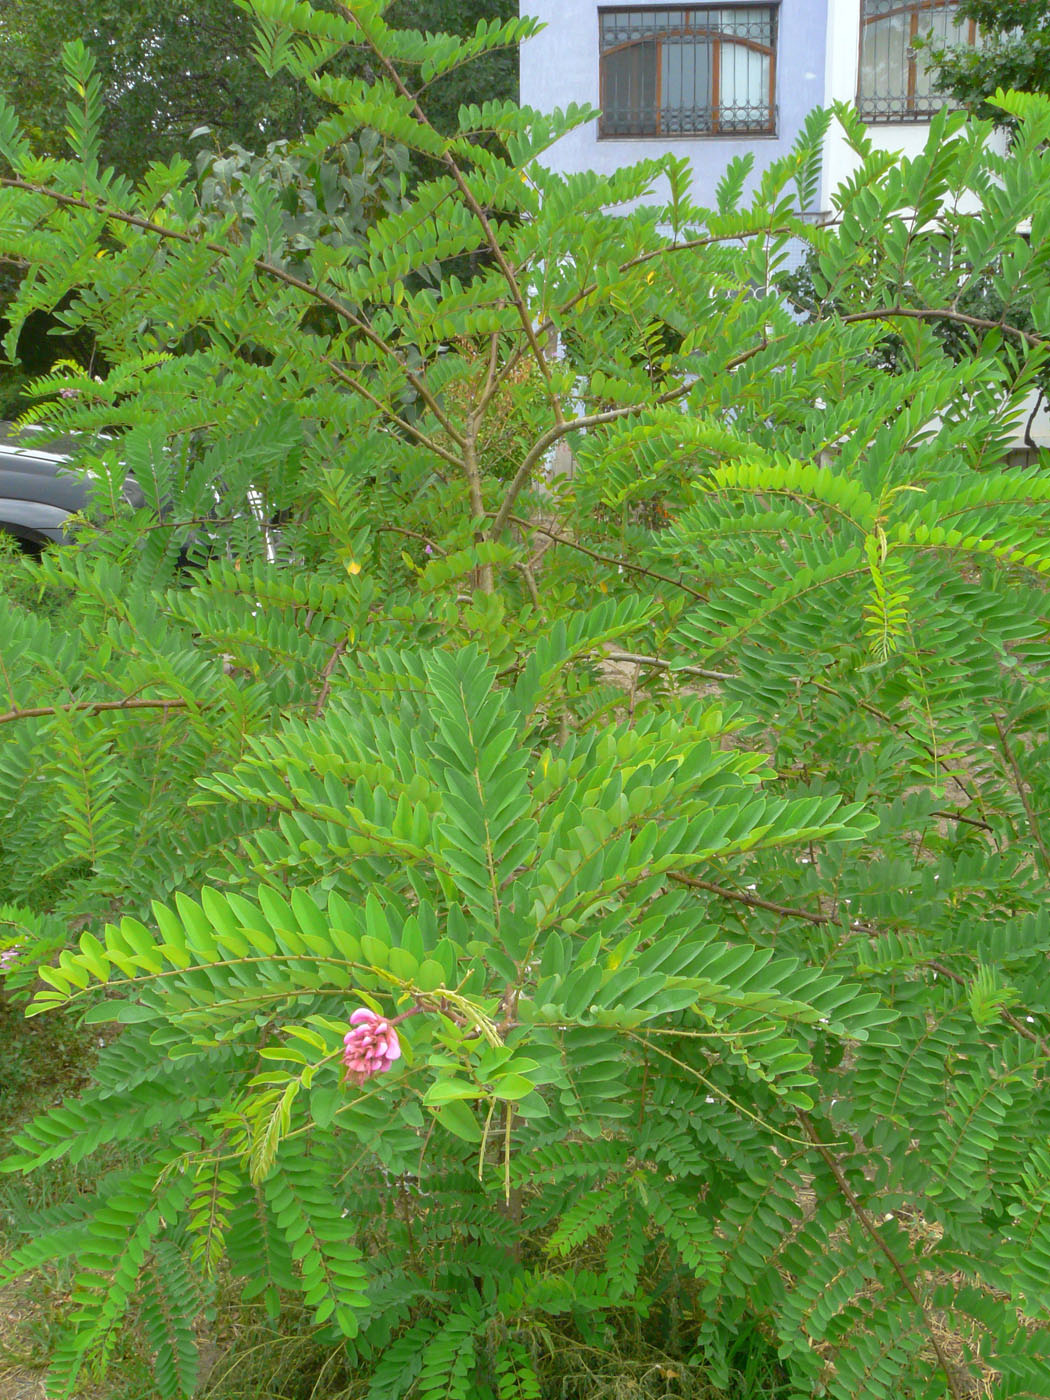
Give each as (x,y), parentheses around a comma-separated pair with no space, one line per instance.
(754,901)
(491,373)
(326,675)
(358,386)
(961,817)
(632,659)
(820,685)
(951,1371)
(917,313)
(412,534)
(592,420)
(530,584)
(92,707)
(339,308)
(730,676)
(889,313)
(898,728)
(7,683)
(885,313)
(1008,1016)
(606,558)
(1022,793)
(560,430)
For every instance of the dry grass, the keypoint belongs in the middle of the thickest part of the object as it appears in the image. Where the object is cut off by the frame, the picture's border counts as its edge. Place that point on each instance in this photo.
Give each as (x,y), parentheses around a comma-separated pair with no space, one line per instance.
(30,1315)
(17,1312)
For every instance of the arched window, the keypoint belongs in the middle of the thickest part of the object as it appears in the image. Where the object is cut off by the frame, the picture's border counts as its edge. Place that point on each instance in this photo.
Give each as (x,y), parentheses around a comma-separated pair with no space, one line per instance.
(688,71)
(893,84)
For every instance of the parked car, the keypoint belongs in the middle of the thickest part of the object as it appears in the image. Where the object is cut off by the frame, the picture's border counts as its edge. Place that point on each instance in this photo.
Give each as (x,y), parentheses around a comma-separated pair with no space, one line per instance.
(39,490)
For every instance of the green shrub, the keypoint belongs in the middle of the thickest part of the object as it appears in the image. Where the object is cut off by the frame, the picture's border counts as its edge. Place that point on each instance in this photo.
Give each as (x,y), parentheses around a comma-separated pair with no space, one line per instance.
(721,1015)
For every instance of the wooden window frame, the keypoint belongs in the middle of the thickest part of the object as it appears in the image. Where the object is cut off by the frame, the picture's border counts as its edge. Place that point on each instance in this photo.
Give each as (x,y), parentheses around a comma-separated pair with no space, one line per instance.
(714,39)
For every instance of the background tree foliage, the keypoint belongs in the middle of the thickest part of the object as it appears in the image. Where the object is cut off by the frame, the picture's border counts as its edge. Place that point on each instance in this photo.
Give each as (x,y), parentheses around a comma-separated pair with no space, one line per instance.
(688,815)
(165,67)
(168,67)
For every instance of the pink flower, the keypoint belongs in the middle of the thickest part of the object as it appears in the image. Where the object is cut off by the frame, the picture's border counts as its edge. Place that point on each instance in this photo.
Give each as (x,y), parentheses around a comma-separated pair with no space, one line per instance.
(371,1046)
(8,956)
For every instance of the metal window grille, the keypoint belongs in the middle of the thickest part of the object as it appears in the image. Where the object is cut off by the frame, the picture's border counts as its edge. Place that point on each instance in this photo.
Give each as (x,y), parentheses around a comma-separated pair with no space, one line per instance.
(688,71)
(893,84)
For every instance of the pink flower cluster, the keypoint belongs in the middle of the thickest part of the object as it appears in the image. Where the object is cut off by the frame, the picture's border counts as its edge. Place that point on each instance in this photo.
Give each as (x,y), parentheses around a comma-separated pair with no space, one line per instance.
(371,1046)
(8,956)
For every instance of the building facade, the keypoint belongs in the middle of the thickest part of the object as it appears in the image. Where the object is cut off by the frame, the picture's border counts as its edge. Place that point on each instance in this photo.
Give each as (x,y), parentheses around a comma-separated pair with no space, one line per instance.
(871,62)
(712,81)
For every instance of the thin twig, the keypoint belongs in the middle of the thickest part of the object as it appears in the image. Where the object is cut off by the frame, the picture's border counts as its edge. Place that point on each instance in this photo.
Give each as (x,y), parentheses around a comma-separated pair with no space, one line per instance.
(961,817)
(819,685)
(561,429)
(91,707)
(1008,1016)
(326,675)
(753,901)
(942,313)
(736,362)
(412,534)
(866,1223)
(417,434)
(491,372)
(612,559)
(530,584)
(630,658)
(7,683)
(1022,793)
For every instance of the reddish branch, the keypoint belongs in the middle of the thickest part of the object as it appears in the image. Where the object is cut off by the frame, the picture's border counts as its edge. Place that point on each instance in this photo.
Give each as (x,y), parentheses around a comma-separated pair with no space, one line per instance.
(326,676)
(612,559)
(754,901)
(91,707)
(951,1371)
(339,308)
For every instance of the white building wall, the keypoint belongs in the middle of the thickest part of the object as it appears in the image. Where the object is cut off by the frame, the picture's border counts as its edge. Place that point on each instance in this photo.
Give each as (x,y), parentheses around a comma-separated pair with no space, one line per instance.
(560,65)
(818,61)
(842,65)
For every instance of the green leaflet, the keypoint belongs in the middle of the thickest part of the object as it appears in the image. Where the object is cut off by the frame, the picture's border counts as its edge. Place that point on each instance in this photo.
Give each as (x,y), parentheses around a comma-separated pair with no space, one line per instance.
(486,829)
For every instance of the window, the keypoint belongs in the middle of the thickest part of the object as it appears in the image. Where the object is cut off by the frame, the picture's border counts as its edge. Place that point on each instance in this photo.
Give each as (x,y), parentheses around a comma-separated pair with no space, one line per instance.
(894,85)
(688,71)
